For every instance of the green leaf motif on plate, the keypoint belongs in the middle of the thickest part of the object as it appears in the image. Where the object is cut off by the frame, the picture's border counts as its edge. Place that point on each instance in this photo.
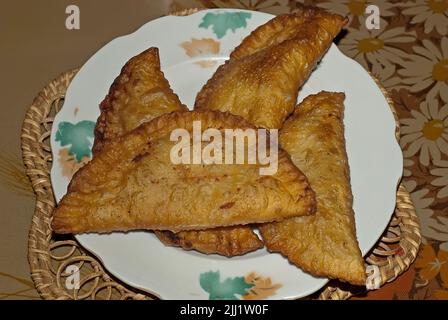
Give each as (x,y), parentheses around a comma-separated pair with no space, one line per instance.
(225,290)
(221,22)
(78,136)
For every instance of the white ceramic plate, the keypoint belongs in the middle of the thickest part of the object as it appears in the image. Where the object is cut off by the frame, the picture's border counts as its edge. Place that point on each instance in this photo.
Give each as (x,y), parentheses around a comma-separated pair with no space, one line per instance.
(191,48)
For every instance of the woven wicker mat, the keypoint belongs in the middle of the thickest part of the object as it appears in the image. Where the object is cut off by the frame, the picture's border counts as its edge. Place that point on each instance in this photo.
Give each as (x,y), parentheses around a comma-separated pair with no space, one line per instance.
(50,254)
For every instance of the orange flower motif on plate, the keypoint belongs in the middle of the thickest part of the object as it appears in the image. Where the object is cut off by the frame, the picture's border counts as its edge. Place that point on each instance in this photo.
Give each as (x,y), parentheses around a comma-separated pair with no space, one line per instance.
(202,47)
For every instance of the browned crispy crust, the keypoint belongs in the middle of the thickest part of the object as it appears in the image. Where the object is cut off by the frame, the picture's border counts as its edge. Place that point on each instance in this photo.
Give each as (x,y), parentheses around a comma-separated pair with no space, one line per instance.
(325,244)
(132,184)
(260,81)
(139,94)
(279,63)
(269,66)
(226,241)
(125,107)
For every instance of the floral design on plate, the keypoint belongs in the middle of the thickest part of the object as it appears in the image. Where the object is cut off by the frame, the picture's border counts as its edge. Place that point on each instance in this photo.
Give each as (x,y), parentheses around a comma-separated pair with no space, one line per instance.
(233,25)
(202,48)
(262,287)
(221,22)
(77,138)
(249,287)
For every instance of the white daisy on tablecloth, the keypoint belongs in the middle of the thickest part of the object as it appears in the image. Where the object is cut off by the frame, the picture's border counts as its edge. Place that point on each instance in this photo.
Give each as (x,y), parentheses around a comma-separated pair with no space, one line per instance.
(407,163)
(426,132)
(356,8)
(428,68)
(386,75)
(425,213)
(422,203)
(441,172)
(433,226)
(376,46)
(410,185)
(434,14)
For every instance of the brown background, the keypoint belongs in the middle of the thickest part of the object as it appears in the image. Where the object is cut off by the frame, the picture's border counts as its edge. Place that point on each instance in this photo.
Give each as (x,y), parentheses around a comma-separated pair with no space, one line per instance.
(35,48)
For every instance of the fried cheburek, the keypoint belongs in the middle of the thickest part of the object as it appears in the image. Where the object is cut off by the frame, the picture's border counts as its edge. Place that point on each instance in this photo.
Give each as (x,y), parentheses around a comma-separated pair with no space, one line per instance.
(324,244)
(139,94)
(133,184)
(226,241)
(260,81)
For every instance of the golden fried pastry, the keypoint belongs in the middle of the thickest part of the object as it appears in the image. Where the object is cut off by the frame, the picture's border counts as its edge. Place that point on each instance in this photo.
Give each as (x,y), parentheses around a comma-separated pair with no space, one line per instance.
(139,94)
(325,244)
(263,86)
(226,241)
(133,184)
(260,81)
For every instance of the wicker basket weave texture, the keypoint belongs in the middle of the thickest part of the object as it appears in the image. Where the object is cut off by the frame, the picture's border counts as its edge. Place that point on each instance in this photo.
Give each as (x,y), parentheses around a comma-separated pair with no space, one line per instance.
(49,255)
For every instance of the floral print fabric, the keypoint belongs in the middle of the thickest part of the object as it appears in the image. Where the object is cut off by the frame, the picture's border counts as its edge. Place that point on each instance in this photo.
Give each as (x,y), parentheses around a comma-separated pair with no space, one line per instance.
(409,55)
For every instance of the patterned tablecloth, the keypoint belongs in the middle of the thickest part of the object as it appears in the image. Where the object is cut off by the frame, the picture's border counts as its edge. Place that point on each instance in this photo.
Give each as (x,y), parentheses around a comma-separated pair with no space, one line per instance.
(408,53)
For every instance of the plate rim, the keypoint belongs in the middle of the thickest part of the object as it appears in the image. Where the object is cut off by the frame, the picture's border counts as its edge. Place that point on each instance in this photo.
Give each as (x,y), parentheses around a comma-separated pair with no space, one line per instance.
(202,11)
